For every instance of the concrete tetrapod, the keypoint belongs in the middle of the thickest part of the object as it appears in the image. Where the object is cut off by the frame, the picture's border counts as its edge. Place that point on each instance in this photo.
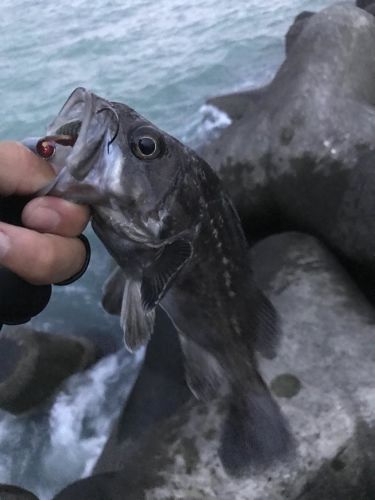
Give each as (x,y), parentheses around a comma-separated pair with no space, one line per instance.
(323,378)
(33,364)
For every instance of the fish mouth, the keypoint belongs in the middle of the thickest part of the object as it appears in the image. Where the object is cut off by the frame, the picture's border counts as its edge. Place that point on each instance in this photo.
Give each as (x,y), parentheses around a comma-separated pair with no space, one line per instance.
(84,130)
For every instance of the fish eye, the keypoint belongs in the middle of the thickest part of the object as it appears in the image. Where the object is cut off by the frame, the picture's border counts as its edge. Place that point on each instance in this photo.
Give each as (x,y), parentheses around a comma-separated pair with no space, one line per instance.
(146,143)
(147,146)
(46,149)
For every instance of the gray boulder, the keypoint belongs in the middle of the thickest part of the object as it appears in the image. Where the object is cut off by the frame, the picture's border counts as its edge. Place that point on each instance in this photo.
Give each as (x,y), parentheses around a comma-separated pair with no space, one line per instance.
(33,365)
(363,4)
(323,378)
(300,152)
(371,9)
(367,5)
(296,28)
(10,492)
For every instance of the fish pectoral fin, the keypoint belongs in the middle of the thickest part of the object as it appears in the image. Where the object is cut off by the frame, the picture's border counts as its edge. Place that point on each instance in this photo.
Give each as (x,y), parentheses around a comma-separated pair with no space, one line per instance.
(204,375)
(268,331)
(113,291)
(137,323)
(159,276)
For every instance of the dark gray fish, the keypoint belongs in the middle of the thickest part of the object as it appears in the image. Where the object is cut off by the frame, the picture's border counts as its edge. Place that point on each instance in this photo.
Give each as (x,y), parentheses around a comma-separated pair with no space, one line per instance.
(162,214)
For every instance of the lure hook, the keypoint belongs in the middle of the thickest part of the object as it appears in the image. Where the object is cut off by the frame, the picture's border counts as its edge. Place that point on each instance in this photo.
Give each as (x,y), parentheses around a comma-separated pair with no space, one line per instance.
(107,108)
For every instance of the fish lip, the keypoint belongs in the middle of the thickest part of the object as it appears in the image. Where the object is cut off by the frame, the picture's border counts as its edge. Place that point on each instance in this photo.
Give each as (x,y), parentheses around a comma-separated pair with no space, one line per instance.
(79,95)
(84,106)
(65,115)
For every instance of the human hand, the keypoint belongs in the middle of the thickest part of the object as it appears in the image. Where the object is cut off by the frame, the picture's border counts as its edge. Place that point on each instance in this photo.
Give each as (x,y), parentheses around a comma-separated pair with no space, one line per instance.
(47,249)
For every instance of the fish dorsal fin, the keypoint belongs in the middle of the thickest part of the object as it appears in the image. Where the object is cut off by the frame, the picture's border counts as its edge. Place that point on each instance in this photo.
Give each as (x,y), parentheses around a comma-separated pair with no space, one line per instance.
(204,375)
(136,322)
(268,327)
(159,276)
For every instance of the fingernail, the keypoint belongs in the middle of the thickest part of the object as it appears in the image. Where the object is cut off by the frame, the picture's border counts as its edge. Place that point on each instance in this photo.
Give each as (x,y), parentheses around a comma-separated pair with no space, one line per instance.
(4,244)
(43,219)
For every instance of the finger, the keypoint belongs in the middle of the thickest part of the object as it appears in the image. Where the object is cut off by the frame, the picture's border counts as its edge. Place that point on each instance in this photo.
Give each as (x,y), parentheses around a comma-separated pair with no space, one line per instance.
(21,171)
(54,215)
(40,258)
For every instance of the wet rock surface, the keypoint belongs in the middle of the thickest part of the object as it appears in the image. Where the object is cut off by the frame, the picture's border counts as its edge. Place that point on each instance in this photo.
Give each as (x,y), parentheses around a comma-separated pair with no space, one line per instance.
(299,154)
(371,9)
(296,28)
(363,4)
(10,492)
(322,378)
(33,365)
(367,5)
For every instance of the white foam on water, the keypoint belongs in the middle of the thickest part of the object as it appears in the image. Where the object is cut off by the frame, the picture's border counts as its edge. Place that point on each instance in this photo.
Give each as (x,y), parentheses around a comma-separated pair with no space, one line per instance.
(56,445)
(213,118)
(206,125)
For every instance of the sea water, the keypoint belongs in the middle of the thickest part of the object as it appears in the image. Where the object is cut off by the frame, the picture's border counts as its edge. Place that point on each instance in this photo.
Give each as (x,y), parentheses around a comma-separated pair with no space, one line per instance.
(165,59)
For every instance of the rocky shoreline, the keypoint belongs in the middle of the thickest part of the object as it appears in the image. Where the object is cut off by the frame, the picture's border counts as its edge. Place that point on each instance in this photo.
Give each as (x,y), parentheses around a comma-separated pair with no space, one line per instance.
(292,159)
(322,387)
(297,157)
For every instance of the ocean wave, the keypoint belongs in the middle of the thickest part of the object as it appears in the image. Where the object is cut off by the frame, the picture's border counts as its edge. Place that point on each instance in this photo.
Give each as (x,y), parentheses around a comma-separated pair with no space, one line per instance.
(60,442)
(206,125)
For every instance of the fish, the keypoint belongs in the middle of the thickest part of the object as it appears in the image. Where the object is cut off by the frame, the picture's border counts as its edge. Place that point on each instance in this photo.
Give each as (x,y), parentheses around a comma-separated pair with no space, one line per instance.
(164,216)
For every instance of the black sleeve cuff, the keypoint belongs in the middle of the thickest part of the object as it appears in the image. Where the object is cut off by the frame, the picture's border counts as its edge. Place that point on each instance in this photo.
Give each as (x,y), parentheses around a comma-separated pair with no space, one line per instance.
(19,300)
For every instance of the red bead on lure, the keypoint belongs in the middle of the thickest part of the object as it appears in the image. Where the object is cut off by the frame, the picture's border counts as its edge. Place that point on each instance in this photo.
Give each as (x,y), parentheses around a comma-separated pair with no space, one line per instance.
(46,146)
(46,149)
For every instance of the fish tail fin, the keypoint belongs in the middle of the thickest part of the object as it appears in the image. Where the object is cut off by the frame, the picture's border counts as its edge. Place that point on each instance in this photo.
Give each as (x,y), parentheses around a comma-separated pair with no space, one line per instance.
(255,433)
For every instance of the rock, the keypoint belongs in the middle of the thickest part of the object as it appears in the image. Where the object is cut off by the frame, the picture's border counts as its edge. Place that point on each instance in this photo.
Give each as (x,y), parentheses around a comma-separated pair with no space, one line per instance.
(362,4)
(322,377)
(299,23)
(159,392)
(301,154)
(10,492)
(371,9)
(367,5)
(34,364)
(237,105)
(109,486)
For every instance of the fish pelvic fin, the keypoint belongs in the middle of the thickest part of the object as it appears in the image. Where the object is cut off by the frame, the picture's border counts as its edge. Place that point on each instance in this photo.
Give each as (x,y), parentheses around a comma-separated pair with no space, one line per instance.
(136,322)
(113,291)
(268,331)
(204,375)
(255,433)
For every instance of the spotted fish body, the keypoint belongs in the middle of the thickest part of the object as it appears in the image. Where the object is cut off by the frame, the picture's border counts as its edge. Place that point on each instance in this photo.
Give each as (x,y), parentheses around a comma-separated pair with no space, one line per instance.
(162,214)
